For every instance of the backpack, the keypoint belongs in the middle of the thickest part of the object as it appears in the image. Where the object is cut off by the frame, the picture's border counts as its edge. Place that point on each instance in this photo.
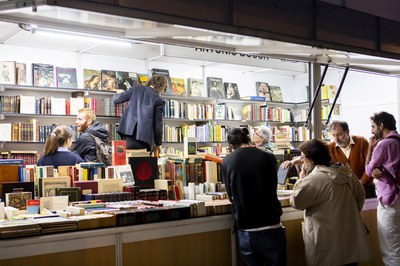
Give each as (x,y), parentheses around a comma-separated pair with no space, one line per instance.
(103,151)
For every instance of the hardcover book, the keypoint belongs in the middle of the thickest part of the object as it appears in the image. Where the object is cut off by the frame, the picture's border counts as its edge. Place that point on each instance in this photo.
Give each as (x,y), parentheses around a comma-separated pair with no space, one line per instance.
(33,206)
(220,111)
(118,152)
(125,173)
(48,185)
(231,90)
(13,187)
(189,146)
(110,185)
(125,80)
(73,193)
(108,80)
(145,170)
(5,131)
(21,73)
(178,86)
(7,72)
(91,79)
(196,87)
(276,93)
(18,199)
(66,77)
(165,73)
(215,88)
(263,90)
(43,75)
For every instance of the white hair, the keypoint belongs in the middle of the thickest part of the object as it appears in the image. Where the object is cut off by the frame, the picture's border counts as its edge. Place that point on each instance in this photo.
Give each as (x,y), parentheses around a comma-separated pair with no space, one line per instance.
(265,133)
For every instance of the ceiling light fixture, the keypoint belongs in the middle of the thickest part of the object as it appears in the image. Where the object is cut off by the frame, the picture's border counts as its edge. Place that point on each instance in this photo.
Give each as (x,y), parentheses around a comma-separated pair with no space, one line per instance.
(80,36)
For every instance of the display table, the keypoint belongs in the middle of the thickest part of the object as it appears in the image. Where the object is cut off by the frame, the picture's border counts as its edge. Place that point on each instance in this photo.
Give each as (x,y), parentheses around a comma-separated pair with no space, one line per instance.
(199,241)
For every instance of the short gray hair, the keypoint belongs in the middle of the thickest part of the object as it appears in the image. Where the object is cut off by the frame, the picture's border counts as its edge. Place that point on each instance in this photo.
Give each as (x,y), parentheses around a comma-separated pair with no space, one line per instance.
(265,133)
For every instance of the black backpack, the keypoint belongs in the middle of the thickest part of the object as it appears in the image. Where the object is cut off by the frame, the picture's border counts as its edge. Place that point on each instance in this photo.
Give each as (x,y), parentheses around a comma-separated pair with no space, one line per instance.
(103,151)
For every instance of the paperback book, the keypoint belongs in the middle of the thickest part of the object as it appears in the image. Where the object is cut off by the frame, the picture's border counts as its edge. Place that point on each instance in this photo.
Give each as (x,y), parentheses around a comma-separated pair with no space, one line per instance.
(165,73)
(263,90)
(231,90)
(66,77)
(126,80)
(7,72)
(92,79)
(108,80)
(196,87)
(43,75)
(215,88)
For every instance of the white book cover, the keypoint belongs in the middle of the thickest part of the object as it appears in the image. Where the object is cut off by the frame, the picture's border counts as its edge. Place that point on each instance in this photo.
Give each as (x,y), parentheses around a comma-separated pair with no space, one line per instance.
(125,173)
(57,106)
(76,104)
(7,72)
(5,131)
(27,104)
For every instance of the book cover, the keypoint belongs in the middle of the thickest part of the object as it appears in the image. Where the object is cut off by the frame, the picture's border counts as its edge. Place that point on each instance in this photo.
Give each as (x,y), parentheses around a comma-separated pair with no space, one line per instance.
(108,80)
(118,152)
(231,90)
(27,104)
(58,106)
(33,206)
(196,87)
(220,111)
(48,185)
(110,185)
(332,90)
(43,75)
(7,72)
(145,170)
(263,90)
(125,173)
(189,146)
(9,173)
(178,86)
(142,79)
(125,80)
(276,93)
(165,73)
(73,193)
(5,131)
(91,186)
(215,88)
(66,77)
(91,79)
(18,199)
(12,187)
(21,73)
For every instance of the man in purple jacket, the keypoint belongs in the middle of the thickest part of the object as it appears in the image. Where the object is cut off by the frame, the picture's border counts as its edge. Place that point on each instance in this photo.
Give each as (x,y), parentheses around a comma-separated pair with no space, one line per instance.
(383,163)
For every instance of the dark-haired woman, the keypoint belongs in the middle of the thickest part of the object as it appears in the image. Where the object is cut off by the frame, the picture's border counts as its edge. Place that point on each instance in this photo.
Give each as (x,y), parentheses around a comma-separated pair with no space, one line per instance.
(141,122)
(56,151)
(332,198)
(251,181)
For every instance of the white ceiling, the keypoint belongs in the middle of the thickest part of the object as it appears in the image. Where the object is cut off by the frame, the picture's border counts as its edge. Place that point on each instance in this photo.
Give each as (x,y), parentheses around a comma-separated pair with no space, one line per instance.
(169,43)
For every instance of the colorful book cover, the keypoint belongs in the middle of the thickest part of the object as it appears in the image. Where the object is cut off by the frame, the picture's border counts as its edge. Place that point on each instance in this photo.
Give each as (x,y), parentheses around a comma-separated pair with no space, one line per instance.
(196,87)
(263,90)
(66,77)
(91,79)
(215,88)
(178,86)
(118,152)
(126,80)
(7,72)
(43,75)
(142,79)
(145,170)
(276,93)
(33,206)
(231,90)
(108,80)
(21,73)
(18,199)
(165,73)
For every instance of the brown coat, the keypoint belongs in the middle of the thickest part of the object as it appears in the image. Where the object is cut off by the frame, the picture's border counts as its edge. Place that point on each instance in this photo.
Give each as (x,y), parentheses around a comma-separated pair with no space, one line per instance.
(356,159)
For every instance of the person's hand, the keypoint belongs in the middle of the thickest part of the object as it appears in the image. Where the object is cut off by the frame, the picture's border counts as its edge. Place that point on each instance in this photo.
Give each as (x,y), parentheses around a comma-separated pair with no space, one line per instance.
(376,173)
(156,151)
(295,161)
(373,141)
(303,173)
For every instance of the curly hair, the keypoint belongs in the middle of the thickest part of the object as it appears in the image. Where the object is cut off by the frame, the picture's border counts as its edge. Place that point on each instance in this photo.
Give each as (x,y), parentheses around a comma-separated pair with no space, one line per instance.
(158,83)
(317,151)
(385,118)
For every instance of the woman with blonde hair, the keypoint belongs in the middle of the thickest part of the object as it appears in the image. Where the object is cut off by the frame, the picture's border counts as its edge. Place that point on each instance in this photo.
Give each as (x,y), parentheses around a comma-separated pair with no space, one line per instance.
(56,151)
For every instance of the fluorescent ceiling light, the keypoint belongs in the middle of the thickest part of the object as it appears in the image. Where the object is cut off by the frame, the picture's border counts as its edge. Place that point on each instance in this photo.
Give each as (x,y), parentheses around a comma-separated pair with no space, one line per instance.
(81,37)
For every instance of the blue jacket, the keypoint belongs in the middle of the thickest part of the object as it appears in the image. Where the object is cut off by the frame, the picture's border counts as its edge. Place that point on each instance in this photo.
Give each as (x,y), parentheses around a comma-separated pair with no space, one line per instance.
(143,114)
(85,146)
(59,158)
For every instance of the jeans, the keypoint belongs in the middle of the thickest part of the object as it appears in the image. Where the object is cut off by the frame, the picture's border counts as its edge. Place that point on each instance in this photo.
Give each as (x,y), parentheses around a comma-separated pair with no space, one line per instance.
(266,247)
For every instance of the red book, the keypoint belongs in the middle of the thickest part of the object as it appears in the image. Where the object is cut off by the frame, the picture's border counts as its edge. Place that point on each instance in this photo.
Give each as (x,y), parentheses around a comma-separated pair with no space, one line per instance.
(118,152)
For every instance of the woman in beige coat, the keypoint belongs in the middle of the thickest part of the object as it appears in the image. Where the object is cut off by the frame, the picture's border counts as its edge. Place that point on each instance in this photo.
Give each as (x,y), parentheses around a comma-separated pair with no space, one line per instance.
(332,198)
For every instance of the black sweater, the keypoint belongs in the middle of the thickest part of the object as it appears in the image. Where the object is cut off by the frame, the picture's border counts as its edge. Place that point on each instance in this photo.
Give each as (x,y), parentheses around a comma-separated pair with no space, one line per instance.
(251,181)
